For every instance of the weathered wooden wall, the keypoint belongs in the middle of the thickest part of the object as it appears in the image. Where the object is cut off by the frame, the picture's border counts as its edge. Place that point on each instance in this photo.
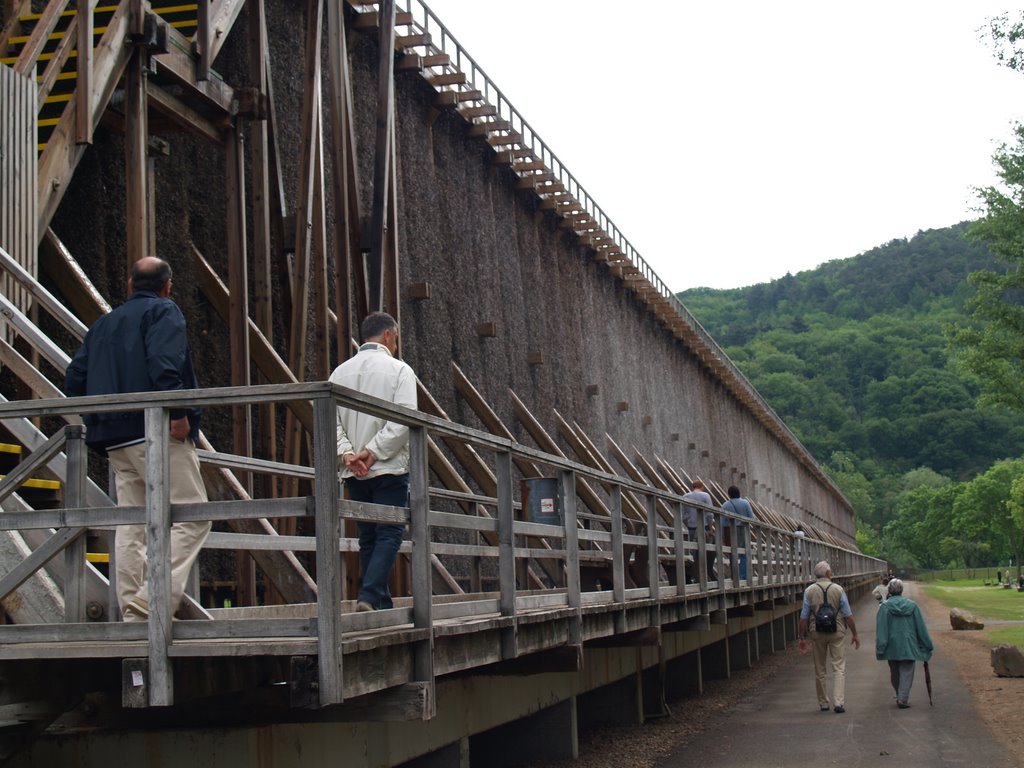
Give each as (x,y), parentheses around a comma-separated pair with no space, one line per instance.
(489,255)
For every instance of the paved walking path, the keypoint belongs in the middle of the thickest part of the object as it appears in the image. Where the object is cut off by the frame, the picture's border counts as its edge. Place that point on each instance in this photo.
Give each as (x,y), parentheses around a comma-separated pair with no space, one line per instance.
(782,726)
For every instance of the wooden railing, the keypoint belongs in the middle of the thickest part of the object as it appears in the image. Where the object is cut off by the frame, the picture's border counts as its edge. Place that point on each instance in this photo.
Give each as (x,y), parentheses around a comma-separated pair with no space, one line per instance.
(646,560)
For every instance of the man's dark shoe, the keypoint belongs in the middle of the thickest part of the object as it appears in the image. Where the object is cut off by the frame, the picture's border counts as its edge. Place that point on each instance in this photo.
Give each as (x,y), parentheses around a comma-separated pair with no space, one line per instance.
(840,709)
(902,705)
(824,708)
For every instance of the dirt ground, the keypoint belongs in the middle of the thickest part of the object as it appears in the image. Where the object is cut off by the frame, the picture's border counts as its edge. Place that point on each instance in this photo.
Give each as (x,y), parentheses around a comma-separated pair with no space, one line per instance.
(997,699)
(644,747)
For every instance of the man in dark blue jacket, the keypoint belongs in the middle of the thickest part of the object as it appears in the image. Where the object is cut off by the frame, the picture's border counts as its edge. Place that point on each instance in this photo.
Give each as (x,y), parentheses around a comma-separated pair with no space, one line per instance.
(142,346)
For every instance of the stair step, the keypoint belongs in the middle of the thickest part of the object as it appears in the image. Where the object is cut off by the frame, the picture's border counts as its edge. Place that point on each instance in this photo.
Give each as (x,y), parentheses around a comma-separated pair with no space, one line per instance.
(451,98)
(412,41)
(416,61)
(508,140)
(371,20)
(35,482)
(484,111)
(448,78)
(488,126)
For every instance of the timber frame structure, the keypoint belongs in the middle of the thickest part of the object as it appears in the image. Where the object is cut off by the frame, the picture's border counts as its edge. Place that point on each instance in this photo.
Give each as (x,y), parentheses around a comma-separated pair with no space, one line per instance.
(284,298)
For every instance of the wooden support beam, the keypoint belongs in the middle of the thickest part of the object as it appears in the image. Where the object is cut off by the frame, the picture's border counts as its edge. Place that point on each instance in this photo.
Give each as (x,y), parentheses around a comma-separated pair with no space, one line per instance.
(182,115)
(83,68)
(379,256)
(350,297)
(137,244)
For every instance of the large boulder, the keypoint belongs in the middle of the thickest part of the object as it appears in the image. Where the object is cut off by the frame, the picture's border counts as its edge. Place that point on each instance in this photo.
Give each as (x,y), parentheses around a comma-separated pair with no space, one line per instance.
(961,619)
(1007,661)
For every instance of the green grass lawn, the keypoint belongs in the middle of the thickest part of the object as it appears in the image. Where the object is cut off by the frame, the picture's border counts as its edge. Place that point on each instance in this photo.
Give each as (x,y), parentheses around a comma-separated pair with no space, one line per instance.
(987,603)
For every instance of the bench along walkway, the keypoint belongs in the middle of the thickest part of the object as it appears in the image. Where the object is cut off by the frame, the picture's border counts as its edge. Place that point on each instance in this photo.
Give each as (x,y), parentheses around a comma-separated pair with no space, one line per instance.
(782,726)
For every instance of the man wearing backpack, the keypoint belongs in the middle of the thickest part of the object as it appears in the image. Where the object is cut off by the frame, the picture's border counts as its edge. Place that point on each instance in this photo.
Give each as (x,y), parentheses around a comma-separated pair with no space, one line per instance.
(826,602)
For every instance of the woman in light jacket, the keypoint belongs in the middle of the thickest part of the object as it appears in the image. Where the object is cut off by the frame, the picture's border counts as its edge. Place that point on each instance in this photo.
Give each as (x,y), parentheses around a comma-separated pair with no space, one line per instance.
(901,638)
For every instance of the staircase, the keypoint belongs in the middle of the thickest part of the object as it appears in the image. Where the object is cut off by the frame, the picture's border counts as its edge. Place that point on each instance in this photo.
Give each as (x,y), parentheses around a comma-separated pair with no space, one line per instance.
(57,89)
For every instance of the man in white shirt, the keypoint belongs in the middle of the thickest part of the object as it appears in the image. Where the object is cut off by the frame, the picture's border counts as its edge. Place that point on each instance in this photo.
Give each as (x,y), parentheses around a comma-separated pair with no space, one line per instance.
(693,517)
(374,452)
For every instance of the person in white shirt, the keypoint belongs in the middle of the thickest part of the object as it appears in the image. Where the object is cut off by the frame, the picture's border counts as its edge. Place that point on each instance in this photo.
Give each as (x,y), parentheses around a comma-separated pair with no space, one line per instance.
(694,517)
(374,452)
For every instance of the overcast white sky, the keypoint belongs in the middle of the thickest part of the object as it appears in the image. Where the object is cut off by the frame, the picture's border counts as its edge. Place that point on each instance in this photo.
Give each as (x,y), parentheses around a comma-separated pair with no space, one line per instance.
(733,142)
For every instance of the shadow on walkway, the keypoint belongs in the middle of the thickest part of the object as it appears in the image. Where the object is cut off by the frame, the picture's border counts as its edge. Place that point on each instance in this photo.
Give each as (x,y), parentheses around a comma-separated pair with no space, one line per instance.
(781,725)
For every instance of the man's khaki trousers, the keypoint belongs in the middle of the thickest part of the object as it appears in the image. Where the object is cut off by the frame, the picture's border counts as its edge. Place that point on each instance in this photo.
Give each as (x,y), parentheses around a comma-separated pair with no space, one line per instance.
(186,485)
(826,646)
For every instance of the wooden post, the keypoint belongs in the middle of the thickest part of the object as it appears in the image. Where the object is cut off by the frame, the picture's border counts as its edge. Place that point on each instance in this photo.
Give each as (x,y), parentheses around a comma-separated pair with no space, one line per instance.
(304,219)
(83,82)
(653,567)
(678,530)
(506,552)
(618,557)
(328,544)
(158,557)
(719,553)
(419,521)
(350,272)
(203,39)
(238,286)
(572,554)
(322,334)
(74,496)
(382,153)
(702,549)
(135,146)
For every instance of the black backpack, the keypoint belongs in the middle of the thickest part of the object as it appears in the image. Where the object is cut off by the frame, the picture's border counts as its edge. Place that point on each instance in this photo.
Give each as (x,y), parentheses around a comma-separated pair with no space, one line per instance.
(825,620)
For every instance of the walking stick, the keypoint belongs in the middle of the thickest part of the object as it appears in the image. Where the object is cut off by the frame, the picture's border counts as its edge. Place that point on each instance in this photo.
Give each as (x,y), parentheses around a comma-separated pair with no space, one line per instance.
(928,683)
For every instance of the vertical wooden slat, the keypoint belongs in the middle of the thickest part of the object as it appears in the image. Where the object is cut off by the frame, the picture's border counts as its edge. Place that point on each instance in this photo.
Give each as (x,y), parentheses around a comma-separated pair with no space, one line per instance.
(311,125)
(678,531)
(506,552)
(618,554)
(382,153)
(572,553)
(201,44)
(83,83)
(321,332)
(328,544)
(18,173)
(347,210)
(238,286)
(419,521)
(158,557)
(135,149)
(653,568)
(74,496)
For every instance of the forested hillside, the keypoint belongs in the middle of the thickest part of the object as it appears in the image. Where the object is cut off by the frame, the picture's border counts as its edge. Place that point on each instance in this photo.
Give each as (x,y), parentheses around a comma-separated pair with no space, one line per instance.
(854,357)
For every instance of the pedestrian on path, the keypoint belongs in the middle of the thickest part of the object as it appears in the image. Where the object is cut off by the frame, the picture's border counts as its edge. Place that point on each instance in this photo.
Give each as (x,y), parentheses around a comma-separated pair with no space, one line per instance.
(824,599)
(374,452)
(901,638)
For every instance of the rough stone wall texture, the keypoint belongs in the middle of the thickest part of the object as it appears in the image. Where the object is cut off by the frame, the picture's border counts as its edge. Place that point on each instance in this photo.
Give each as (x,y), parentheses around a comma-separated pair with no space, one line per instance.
(489,255)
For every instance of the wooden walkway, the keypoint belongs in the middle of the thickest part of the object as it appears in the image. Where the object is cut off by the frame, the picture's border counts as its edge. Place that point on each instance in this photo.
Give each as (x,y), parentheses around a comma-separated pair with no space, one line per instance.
(558,586)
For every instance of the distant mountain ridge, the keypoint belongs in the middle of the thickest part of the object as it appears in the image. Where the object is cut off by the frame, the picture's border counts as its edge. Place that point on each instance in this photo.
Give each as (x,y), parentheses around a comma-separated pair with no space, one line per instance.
(853,356)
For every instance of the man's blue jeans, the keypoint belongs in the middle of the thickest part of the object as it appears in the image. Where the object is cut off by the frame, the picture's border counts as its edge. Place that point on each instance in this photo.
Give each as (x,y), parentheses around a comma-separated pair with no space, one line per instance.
(378,542)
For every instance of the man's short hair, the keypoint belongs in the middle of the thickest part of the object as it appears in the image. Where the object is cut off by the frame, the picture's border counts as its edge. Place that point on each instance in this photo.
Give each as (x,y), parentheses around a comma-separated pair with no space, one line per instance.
(734,492)
(152,279)
(822,569)
(697,484)
(375,323)
(895,587)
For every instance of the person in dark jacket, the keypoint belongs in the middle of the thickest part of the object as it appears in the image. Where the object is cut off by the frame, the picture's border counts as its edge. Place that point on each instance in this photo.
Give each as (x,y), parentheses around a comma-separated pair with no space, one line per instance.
(901,638)
(142,346)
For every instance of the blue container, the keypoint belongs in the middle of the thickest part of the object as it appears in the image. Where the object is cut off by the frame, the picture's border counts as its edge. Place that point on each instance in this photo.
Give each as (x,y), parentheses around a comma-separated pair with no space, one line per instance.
(542,500)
